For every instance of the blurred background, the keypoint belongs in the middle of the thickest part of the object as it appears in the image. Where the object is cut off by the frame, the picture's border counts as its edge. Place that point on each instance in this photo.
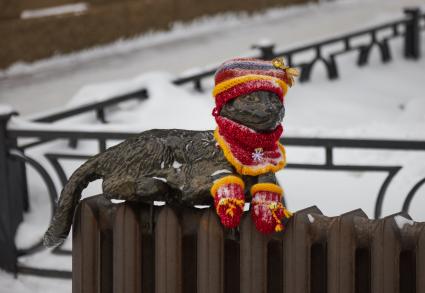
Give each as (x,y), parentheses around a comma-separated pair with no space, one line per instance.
(78,77)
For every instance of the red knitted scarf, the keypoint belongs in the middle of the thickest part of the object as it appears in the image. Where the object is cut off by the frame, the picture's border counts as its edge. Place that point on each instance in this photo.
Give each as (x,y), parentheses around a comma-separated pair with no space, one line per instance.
(250,152)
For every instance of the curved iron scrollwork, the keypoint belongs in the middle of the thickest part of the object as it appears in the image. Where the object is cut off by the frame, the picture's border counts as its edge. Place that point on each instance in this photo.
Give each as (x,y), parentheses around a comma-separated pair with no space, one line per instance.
(365,50)
(411,194)
(20,156)
(307,68)
(268,52)
(382,191)
(327,144)
(63,178)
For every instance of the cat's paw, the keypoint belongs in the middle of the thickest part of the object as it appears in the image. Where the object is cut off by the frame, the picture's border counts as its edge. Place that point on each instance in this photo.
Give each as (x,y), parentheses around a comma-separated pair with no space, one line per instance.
(229,200)
(267,210)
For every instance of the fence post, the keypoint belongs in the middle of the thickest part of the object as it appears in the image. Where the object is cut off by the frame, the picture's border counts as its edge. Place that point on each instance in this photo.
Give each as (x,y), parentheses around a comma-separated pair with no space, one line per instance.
(412,48)
(8,253)
(266,50)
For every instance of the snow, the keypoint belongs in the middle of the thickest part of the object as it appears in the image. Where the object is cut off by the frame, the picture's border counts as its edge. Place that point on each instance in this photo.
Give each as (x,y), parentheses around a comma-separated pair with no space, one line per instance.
(176,165)
(246,207)
(5,109)
(29,284)
(264,43)
(201,206)
(377,101)
(402,221)
(56,10)
(310,218)
(184,47)
(117,201)
(220,172)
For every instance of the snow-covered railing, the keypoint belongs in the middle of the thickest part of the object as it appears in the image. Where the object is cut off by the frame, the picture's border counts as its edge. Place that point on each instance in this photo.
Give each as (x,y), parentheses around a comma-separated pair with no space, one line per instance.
(378,36)
(136,248)
(97,106)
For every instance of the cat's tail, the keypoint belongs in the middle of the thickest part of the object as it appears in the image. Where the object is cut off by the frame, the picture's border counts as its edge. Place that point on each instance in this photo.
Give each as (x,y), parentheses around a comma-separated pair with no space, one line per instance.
(69,198)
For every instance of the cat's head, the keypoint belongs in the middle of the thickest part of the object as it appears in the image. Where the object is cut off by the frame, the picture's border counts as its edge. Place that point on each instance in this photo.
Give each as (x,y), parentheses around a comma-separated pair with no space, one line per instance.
(260,110)
(251,92)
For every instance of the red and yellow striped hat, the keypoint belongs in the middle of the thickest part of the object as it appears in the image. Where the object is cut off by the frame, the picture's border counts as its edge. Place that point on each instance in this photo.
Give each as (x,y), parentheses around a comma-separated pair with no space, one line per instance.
(242,76)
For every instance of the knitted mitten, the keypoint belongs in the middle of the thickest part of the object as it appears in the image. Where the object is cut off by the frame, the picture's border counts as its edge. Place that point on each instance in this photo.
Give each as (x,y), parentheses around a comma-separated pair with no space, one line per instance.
(267,210)
(229,200)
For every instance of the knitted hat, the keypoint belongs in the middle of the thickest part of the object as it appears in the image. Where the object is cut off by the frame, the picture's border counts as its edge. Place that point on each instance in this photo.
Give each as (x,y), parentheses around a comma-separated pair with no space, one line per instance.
(242,76)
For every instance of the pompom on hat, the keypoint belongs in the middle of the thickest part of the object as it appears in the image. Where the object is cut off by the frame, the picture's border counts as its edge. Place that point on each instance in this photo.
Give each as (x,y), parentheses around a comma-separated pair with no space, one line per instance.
(242,76)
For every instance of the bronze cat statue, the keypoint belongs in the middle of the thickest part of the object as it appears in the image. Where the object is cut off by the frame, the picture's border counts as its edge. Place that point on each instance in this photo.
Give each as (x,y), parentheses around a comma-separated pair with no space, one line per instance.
(226,167)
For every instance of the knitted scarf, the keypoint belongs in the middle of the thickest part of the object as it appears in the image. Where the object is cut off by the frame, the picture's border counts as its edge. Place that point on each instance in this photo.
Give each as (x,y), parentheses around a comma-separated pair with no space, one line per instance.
(250,152)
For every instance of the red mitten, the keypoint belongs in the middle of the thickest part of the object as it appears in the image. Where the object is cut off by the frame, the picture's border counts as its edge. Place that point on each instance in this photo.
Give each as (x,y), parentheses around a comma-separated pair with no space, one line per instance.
(229,200)
(267,210)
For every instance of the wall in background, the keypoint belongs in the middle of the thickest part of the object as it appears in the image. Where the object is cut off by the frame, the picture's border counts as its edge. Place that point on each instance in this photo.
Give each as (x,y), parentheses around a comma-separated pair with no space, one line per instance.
(35,29)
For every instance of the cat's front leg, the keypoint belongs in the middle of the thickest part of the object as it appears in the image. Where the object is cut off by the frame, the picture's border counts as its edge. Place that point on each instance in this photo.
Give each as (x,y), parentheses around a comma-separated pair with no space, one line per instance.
(267,209)
(229,199)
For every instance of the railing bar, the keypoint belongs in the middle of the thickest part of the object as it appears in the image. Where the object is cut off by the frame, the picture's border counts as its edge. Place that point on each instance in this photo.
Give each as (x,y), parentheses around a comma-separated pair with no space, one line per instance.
(298,141)
(48,273)
(60,251)
(65,134)
(337,39)
(35,143)
(102,145)
(355,143)
(342,167)
(100,114)
(68,156)
(141,94)
(183,80)
(329,156)
(342,37)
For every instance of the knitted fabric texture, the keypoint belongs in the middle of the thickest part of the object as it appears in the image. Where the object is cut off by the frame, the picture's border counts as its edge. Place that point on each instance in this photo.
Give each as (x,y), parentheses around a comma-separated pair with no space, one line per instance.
(250,153)
(267,210)
(242,76)
(229,200)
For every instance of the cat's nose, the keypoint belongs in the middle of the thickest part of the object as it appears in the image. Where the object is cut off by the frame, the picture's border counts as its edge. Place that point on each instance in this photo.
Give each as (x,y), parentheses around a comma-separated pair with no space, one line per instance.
(262,114)
(270,108)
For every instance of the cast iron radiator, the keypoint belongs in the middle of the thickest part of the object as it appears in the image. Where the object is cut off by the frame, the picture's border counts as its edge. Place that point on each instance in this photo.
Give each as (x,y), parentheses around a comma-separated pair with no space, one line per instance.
(138,248)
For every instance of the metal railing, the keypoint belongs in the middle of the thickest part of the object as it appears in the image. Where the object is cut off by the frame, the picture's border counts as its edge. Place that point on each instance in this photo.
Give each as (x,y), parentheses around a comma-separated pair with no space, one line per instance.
(16,155)
(408,27)
(97,107)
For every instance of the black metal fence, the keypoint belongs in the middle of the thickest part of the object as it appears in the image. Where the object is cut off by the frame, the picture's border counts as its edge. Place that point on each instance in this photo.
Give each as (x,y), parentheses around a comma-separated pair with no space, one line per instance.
(13,158)
(379,36)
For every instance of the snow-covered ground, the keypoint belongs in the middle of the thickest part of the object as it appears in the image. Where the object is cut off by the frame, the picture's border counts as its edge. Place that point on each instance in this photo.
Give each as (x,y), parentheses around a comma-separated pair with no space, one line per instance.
(377,101)
(54,81)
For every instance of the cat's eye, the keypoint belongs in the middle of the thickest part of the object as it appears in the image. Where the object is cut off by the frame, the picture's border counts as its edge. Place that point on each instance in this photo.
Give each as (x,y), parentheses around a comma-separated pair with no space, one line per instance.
(230,108)
(252,98)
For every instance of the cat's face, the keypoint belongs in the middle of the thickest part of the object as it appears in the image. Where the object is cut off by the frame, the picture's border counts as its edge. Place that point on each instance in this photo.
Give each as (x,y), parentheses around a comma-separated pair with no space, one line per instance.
(260,110)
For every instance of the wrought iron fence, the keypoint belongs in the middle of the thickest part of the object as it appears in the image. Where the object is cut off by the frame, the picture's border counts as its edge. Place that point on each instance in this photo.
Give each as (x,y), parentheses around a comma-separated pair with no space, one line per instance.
(16,155)
(409,28)
(13,157)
